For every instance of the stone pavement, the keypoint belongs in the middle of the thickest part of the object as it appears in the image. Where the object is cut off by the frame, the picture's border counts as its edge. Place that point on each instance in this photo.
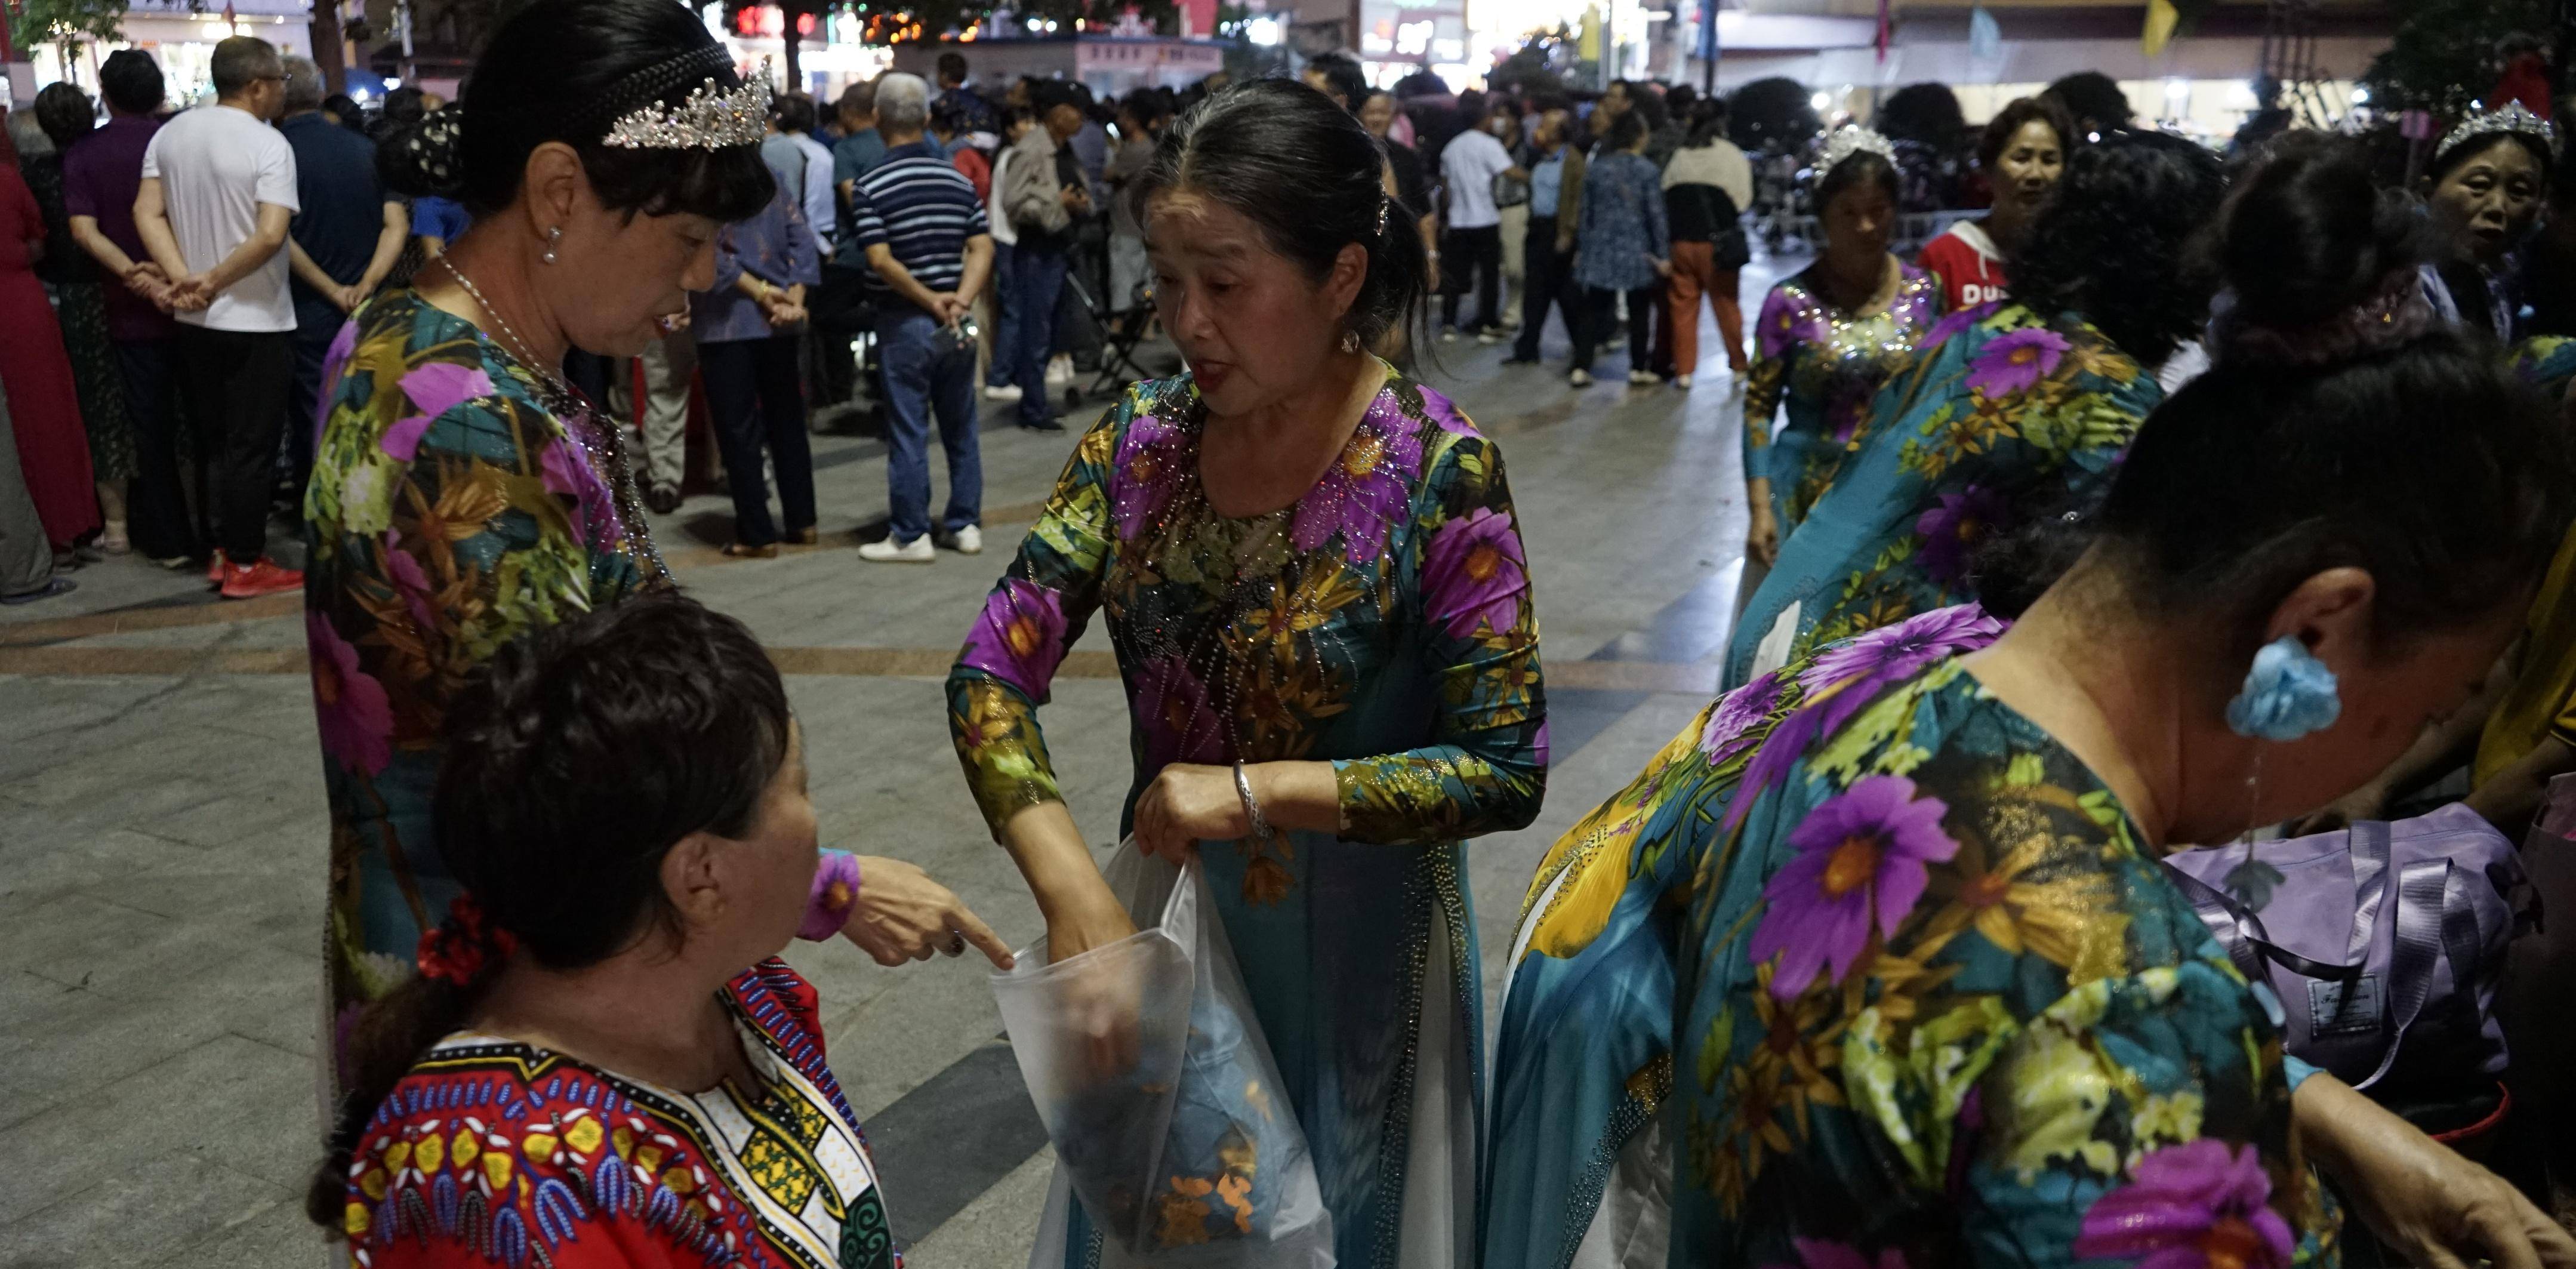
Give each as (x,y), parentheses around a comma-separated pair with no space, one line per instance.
(162,831)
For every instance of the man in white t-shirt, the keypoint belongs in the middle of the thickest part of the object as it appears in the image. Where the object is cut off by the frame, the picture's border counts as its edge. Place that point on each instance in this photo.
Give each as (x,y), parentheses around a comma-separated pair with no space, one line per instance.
(1468,167)
(218,193)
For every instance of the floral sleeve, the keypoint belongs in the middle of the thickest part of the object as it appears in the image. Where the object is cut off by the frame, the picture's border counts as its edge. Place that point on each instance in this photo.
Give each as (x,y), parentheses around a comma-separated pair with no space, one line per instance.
(1486,764)
(1764,383)
(1032,616)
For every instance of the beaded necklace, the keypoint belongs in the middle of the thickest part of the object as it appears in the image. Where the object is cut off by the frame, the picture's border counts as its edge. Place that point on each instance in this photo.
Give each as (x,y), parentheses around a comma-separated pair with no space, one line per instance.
(579,420)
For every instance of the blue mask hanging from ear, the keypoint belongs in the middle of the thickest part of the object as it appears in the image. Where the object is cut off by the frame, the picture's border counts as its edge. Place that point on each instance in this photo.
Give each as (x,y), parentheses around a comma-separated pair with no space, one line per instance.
(2288,694)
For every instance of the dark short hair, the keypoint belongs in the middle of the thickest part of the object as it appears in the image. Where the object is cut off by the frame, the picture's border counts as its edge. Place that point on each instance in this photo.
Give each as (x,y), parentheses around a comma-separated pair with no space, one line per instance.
(952,66)
(1343,72)
(131,81)
(2092,95)
(1309,175)
(2017,114)
(794,112)
(239,62)
(65,113)
(565,71)
(1626,130)
(1047,94)
(858,98)
(2115,243)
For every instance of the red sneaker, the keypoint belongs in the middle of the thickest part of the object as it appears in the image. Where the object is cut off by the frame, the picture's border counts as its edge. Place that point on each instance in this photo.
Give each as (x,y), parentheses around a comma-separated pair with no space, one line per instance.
(216,567)
(263,578)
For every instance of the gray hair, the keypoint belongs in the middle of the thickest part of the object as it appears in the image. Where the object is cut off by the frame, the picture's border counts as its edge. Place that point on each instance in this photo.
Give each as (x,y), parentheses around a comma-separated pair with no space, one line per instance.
(239,62)
(903,103)
(303,84)
(29,136)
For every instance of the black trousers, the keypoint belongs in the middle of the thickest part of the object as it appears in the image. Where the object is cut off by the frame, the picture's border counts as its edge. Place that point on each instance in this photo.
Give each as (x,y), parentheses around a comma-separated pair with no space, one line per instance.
(1477,254)
(758,399)
(157,505)
(1547,278)
(1597,324)
(237,384)
(303,396)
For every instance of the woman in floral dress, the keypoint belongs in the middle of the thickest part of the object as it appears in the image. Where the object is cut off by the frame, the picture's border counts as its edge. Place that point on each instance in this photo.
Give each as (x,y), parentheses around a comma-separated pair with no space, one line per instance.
(2007,408)
(1352,654)
(1826,339)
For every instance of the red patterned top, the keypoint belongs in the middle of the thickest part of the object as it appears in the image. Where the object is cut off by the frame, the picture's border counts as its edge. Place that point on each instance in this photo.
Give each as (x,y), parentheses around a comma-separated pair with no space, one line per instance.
(496,1152)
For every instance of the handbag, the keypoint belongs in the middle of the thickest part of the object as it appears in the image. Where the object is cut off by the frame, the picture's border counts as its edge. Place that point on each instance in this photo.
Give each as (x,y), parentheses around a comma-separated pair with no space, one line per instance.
(2384,943)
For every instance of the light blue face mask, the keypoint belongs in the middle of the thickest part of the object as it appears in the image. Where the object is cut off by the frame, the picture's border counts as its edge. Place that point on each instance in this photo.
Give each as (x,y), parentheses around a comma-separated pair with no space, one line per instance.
(2288,693)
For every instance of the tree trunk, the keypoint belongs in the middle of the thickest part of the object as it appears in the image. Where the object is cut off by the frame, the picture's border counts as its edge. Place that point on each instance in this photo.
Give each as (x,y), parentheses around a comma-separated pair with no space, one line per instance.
(327,46)
(790,14)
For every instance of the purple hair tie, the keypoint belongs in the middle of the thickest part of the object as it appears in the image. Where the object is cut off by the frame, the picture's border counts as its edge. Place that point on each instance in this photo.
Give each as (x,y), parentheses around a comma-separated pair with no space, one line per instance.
(2394,314)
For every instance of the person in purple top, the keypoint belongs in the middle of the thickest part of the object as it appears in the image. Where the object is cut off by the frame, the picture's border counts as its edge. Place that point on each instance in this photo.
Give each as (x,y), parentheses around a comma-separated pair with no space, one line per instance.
(101,174)
(748,326)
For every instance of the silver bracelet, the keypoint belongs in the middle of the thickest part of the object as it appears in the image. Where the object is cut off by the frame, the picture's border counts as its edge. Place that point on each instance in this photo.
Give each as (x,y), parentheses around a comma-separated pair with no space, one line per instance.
(1251,805)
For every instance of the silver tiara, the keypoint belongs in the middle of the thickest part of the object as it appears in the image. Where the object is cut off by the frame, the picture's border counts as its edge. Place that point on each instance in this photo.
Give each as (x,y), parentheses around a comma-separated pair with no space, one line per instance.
(2513,117)
(711,118)
(1852,140)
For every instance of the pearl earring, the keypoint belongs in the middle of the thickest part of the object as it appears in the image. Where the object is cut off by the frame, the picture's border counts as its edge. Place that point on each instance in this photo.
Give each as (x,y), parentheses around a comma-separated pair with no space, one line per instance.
(554,234)
(1350,341)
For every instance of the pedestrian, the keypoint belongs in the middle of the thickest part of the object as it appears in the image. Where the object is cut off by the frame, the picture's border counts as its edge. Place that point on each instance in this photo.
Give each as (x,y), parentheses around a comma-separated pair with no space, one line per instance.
(804,165)
(859,147)
(1378,114)
(670,364)
(64,116)
(1044,194)
(748,327)
(1511,208)
(219,190)
(1338,76)
(968,107)
(1707,186)
(1621,248)
(2022,153)
(44,405)
(340,245)
(1556,200)
(924,232)
(102,174)
(1002,297)
(1473,255)
(437,222)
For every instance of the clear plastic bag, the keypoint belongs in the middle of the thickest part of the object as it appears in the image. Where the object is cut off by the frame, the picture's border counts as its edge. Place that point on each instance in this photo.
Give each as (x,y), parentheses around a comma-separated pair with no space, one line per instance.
(1158,1090)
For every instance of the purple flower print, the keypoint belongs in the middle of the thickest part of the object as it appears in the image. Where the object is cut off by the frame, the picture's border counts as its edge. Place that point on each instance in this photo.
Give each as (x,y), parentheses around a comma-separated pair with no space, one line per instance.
(1954,322)
(1180,724)
(1365,490)
(411,581)
(1785,324)
(1443,412)
(2015,361)
(435,387)
(1475,574)
(1152,458)
(1860,856)
(1019,638)
(349,705)
(1846,676)
(402,440)
(1952,530)
(1538,746)
(1818,1254)
(1730,725)
(334,359)
(2190,1206)
(567,472)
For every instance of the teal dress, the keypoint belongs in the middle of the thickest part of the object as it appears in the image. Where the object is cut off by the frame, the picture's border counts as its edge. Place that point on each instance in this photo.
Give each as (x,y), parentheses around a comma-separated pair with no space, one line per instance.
(1820,367)
(2001,411)
(1940,1004)
(1382,623)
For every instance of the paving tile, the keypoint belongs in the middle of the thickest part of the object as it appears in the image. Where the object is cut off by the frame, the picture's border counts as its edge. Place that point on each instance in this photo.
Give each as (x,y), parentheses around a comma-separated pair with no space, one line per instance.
(994,1231)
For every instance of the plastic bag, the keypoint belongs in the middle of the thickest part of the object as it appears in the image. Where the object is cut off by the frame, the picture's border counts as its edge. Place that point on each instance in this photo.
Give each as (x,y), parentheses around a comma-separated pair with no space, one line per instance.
(1158,1090)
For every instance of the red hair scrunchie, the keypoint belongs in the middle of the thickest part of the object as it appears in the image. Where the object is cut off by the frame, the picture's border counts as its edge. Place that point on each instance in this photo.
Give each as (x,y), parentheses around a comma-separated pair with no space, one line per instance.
(464,945)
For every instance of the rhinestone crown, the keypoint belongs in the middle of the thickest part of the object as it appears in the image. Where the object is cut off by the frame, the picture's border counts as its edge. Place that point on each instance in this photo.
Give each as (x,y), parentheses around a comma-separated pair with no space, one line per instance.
(1852,140)
(711,118)
(2513,117)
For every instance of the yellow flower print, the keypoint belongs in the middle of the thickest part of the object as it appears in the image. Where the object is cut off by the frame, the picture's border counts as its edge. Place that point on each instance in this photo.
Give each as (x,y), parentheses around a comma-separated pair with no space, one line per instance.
(1716,1164)
(1801,1041)
(2068,921)
(1266,881)
(2164,1120)
(1183,1212)
(1910,1082)
(2060,1088)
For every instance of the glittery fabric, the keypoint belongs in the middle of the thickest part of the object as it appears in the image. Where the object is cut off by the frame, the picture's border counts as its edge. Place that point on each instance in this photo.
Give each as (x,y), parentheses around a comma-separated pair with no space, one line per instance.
(2002,414)
(1357,626)
(1826,365)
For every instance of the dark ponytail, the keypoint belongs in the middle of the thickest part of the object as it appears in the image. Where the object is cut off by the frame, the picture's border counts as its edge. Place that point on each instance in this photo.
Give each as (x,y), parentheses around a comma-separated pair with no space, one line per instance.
(2338,427)
(575,759)
(1310,176)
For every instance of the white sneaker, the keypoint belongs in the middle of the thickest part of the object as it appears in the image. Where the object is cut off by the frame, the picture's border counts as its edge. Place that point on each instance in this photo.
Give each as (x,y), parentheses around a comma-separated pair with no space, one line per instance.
(1060,370)
(916,551)
(1580,378)
(1489,337)
(1642,379)
(1682,382)
(1448,334)
(968,541)
(1006,393)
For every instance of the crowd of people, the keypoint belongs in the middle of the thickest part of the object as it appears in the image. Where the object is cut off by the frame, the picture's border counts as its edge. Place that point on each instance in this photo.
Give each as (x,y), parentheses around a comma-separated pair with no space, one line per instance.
(2110,528)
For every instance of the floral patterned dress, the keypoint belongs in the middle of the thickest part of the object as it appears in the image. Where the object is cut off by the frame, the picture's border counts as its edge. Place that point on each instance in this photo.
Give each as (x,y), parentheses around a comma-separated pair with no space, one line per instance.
(2002,410)
(493,1152)
(1941,1004)
(1382,622)
(1583,1059)
(1825,364)
(449,513)
(2547,362)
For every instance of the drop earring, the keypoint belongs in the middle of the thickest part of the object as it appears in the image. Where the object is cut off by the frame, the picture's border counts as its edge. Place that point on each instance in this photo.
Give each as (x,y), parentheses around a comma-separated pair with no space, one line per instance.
(554,234)
(1350,341)
(2288,693)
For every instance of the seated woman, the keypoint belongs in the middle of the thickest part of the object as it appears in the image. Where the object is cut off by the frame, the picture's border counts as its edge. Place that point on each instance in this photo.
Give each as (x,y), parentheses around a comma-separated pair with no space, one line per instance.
(2027,403)
(1896,967)
(603,1062)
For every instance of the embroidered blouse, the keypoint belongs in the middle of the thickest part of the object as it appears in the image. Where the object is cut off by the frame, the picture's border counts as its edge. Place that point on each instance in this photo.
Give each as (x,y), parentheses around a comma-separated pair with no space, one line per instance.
(1827,365)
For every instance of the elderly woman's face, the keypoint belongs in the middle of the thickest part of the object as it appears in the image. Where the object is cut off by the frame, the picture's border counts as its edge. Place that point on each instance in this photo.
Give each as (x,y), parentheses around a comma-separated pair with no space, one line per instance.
(1253,324)
(768,873)
(2489,202)
(619,275)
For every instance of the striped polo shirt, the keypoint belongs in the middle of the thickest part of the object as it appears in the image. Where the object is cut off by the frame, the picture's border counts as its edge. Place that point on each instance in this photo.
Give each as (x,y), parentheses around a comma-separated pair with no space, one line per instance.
(923,210)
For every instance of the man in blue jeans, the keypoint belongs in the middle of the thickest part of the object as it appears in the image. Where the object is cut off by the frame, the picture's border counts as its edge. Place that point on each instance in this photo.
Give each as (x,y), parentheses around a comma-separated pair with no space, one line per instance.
(1045,195)
(925,234)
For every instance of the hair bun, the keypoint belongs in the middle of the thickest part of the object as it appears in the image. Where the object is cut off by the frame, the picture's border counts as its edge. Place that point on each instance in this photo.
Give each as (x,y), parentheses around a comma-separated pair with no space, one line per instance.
(2309,234)
(424,159)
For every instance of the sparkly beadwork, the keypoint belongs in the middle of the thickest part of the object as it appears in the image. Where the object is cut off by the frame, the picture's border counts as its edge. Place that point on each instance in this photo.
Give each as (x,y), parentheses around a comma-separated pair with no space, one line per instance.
(2513,117)
(711,118)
